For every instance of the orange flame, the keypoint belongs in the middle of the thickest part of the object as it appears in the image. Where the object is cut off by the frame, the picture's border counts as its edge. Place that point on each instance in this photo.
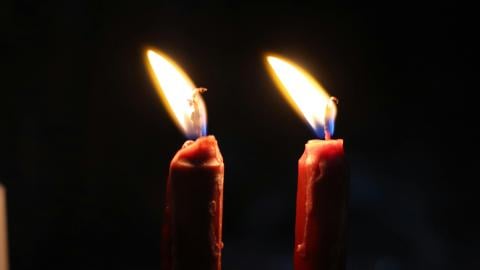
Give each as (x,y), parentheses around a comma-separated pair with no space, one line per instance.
(179,94)
(304,93)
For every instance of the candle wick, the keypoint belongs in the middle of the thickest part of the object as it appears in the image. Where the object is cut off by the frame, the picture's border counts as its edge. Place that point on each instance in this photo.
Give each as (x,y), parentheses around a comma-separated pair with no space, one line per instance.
(329,111)
(328,136)
(196,116)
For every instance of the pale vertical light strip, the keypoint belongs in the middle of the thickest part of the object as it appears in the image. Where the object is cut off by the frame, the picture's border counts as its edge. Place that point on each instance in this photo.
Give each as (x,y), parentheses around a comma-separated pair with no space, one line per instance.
(3,230)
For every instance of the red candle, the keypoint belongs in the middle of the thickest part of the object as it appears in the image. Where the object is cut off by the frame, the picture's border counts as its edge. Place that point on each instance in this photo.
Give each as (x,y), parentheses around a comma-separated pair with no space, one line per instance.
(321,207)
(192,229)
(322,173)
(196,203)
(3,230)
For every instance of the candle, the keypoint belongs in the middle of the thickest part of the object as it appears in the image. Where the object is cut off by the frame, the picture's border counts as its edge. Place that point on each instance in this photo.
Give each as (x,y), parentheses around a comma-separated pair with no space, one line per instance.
(3,230)
(322,173)
(192,228)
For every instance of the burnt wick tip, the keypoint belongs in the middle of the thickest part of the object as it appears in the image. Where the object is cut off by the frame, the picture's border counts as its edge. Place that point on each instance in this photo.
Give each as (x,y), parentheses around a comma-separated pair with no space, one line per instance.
(334,99)
(200,90)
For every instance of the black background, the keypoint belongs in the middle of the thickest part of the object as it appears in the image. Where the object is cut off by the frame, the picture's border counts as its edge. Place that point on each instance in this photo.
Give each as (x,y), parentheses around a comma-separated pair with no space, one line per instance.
(85,143)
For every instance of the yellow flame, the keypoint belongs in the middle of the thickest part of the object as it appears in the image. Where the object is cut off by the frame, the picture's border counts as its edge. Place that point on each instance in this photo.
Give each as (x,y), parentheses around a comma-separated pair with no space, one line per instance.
(303,92)
(177,92)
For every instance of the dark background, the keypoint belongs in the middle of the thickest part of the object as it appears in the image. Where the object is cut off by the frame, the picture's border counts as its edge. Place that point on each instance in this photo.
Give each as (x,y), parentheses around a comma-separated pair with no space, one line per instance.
(85,143)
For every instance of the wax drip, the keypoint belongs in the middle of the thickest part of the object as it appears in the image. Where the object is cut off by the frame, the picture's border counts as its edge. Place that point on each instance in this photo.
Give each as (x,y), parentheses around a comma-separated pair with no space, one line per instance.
(195,116)
(330,111)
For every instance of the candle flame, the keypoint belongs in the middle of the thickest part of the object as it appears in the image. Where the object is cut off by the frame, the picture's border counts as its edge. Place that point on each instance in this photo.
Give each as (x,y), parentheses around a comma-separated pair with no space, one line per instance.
(305,94)
(179,94)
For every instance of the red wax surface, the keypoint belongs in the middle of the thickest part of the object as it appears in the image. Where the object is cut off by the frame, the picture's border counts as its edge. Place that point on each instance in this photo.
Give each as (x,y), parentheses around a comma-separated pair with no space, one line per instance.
(321,207)
(3,230)
(193,229)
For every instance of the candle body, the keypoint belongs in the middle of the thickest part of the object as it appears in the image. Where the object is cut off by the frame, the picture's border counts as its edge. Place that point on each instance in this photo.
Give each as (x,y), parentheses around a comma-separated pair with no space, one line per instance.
(3,230)
(321,207)
(195,206)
